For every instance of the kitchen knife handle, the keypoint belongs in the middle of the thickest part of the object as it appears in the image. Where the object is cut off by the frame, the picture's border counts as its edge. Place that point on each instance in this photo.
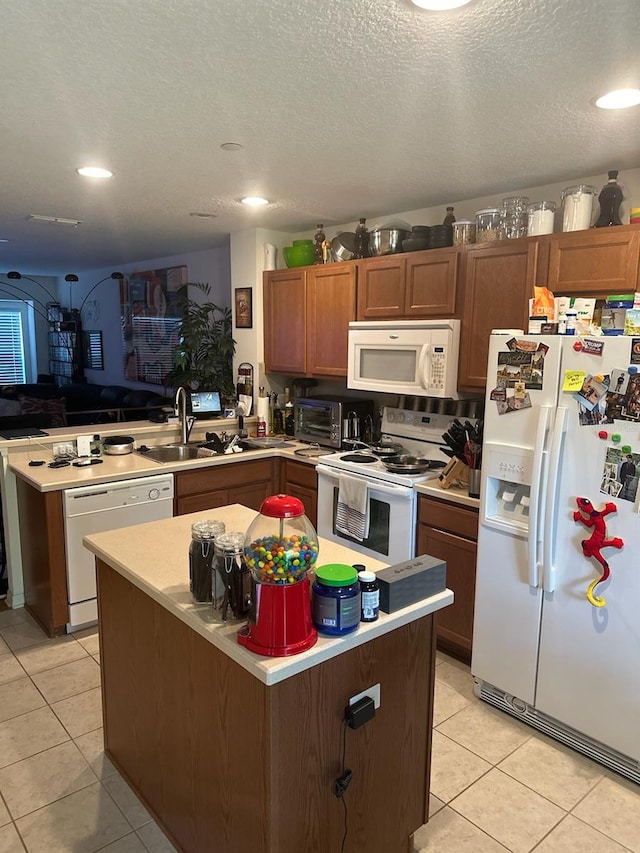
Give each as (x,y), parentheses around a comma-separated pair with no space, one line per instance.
(535,493)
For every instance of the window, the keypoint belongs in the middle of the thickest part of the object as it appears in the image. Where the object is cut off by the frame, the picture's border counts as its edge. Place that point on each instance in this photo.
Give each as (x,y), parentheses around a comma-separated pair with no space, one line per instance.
(16,341)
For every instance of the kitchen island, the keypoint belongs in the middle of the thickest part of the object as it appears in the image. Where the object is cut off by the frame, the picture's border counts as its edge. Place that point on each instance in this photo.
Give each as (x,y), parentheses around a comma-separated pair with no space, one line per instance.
(237,753)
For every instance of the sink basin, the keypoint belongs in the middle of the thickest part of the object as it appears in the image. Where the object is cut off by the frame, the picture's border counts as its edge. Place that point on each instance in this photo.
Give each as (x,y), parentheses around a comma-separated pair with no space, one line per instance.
(172,452)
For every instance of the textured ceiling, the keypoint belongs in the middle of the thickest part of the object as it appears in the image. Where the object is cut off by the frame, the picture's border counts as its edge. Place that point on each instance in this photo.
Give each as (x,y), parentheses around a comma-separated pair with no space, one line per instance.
(345,108)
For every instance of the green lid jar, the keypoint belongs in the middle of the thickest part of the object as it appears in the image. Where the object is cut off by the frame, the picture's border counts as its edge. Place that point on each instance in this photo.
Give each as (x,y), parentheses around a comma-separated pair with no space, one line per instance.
(335,599)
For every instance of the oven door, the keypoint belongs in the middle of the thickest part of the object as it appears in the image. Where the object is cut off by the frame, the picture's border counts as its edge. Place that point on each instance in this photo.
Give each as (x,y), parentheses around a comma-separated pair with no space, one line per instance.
(392,517)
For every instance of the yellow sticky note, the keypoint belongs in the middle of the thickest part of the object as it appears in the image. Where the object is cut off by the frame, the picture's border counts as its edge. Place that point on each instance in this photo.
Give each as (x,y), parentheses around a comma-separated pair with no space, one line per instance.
(573,380)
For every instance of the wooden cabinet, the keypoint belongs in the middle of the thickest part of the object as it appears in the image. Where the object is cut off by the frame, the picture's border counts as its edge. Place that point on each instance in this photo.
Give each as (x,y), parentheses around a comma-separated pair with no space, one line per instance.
(498,281)
(300,480)
(595,262)
(415,285)
(449,531)
(306,319)
(285,311)
(247,483)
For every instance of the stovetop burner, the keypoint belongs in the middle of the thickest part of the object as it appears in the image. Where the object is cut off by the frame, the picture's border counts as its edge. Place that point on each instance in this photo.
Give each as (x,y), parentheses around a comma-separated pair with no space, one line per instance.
(361,458)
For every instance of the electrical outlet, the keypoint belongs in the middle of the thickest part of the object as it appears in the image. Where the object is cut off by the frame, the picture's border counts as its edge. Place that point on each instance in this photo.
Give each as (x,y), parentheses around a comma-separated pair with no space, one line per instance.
(63,448)
(372,692)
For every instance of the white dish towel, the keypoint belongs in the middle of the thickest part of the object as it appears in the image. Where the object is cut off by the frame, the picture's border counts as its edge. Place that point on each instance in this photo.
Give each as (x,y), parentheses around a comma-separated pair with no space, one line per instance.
(352,514)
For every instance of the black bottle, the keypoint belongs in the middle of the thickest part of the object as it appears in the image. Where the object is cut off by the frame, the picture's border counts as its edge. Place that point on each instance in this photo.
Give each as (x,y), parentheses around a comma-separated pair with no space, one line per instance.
(450,217)
(361,240)
(610,199)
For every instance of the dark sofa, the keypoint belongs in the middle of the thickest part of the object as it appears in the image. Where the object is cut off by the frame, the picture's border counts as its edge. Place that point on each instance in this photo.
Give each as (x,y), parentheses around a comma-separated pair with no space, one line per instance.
(45,405)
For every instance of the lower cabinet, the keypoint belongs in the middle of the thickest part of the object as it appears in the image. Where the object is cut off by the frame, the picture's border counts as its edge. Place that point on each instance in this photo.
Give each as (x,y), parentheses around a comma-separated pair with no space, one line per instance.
(300,480)
(449,532)
(247,483)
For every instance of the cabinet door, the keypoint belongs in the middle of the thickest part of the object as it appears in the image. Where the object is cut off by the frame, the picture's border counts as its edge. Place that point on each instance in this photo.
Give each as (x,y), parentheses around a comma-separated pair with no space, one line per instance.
(454,624)
(284,321)
(331,305)
(498,282)
(300,480)
(250,495)
(381,288)
(597,261)
(198,503)
(431,283)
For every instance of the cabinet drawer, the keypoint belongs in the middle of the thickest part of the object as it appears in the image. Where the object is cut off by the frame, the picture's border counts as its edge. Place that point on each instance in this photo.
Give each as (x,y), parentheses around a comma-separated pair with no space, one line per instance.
(458,520)
(223,477)
(300,473)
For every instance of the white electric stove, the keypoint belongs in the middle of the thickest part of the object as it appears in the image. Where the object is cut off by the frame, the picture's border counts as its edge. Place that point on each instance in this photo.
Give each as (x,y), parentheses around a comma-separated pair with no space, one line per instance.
(392,501)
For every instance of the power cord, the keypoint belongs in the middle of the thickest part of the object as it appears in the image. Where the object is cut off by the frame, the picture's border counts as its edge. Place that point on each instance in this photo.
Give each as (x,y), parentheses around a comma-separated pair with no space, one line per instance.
(342,783)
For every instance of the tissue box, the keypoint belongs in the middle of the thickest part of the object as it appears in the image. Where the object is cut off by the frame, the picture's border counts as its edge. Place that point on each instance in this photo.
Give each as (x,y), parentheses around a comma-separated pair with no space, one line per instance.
(411,581)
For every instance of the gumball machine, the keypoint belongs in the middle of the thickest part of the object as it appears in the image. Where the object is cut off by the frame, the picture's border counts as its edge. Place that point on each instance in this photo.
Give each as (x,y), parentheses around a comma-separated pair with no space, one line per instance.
(281,546)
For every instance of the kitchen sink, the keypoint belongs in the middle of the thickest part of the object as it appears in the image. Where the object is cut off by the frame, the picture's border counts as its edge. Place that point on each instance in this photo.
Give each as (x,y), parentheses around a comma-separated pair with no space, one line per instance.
(173,453)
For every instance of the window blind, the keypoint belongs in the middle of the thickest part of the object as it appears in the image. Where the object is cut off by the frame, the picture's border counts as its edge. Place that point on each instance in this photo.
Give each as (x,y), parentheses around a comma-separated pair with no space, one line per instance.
(12,359)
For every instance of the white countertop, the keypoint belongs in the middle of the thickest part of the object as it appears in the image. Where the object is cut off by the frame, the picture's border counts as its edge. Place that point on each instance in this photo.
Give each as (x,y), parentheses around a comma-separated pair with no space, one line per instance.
(455,494)
(154,557)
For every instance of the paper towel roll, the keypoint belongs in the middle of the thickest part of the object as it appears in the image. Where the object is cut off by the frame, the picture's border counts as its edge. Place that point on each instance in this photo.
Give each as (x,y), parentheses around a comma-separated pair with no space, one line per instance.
(263,409)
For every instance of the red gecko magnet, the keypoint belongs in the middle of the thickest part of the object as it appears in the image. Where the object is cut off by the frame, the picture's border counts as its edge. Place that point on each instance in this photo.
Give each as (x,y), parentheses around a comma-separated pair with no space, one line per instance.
(592,547)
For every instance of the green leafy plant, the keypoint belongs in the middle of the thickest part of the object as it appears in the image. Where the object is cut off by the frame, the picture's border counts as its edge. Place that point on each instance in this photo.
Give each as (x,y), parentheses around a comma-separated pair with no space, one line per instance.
(204,356)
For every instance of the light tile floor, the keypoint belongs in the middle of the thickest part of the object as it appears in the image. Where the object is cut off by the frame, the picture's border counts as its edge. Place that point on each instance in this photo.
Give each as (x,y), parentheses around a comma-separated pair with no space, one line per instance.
(496,784)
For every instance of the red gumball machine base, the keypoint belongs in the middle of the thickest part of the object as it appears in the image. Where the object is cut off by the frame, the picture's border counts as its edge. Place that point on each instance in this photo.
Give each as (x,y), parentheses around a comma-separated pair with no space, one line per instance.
(283,624)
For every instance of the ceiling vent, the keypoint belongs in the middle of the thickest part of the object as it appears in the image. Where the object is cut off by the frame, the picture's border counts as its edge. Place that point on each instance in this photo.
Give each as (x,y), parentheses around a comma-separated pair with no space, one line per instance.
(54,220)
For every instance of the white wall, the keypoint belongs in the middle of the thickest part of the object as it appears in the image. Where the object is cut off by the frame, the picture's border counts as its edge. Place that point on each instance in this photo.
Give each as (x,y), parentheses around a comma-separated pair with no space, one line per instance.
(103,306)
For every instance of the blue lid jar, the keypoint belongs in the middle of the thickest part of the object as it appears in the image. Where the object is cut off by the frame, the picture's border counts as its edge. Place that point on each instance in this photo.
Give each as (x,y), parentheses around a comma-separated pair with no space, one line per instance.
(335,599)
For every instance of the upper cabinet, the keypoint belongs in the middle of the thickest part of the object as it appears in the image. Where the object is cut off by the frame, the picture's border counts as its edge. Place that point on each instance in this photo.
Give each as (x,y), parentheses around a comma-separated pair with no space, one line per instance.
(306,319)
(595,262)
(498,279)
(415,285)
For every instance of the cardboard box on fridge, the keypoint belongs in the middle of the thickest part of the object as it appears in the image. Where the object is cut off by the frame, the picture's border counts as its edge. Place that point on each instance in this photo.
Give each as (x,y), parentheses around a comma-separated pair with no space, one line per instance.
(584,308)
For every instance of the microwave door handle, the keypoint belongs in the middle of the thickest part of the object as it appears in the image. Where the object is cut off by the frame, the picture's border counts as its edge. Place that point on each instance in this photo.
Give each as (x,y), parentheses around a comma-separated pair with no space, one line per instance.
(423,366)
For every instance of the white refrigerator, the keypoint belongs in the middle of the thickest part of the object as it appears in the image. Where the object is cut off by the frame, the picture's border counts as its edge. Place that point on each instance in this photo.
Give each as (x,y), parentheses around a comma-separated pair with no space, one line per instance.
(557,622)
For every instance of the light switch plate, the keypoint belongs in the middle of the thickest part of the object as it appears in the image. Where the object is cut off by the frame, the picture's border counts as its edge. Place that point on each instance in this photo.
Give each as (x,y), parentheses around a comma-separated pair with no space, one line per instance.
(84,445)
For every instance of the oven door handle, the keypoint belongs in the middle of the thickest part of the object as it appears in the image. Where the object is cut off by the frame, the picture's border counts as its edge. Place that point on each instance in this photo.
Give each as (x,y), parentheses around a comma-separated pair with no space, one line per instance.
(374,485)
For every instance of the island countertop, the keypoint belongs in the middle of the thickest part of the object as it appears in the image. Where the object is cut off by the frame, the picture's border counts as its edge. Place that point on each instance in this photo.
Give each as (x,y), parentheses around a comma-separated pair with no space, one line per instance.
(154,557)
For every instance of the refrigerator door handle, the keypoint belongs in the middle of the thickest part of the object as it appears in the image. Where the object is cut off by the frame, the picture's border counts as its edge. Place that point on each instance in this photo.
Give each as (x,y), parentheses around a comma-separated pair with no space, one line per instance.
(536,497)
(551,509)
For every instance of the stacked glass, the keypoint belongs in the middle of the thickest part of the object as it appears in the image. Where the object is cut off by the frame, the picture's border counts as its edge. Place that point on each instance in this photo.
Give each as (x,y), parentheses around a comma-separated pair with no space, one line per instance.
(515,217)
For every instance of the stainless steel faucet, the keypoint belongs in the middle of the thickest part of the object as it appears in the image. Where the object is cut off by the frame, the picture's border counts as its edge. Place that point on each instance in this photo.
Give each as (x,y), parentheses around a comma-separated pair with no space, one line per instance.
(180,404)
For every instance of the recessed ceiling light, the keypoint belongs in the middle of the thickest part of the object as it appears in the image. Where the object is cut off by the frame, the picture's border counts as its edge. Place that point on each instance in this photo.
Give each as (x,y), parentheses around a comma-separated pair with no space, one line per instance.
(440,5)
(619,99)
(254,200)
(2,240)
(94,172)
(231,146)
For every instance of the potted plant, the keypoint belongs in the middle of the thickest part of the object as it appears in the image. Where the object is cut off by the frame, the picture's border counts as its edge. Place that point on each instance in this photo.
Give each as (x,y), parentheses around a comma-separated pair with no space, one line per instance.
(204,356)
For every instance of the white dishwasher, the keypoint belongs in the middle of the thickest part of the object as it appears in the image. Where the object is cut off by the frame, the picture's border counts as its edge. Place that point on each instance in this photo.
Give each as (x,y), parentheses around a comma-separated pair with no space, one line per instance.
(94,509)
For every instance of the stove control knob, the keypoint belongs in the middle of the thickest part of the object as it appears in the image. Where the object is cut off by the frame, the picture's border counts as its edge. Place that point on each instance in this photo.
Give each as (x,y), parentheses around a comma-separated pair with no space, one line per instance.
(391,416)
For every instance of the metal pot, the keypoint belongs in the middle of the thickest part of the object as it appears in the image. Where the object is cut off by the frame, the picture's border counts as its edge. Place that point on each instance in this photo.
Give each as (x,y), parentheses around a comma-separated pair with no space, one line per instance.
(387,241)
(404,463)
(117,445)
(343,247)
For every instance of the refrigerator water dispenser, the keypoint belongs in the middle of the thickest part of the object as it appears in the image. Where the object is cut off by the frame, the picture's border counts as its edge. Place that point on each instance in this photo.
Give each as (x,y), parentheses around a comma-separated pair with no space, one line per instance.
(508,473)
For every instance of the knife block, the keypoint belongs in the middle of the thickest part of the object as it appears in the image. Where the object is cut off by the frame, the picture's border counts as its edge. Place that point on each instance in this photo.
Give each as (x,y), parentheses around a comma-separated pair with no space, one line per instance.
(455,473)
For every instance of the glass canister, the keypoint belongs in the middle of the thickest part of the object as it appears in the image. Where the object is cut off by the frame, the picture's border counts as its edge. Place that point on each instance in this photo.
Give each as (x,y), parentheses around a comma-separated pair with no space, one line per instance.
(201,551)
(488,225)
(541,218)
(464,231)
(336,599)
(514,217)
(577,204)
(230,577)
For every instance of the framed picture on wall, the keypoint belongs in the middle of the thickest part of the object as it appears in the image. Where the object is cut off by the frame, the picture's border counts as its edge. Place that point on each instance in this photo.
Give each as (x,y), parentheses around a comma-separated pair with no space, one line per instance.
(244,307)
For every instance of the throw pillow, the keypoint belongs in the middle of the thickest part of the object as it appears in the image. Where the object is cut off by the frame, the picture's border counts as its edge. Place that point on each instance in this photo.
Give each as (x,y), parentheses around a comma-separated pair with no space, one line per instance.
(35,406)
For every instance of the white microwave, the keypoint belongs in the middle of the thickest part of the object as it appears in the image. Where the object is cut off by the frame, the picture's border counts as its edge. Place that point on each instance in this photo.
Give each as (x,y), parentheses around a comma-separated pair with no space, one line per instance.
(418,357)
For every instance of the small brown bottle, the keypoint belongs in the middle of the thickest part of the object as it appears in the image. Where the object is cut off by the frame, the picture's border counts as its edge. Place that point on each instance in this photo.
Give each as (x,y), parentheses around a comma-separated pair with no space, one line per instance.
(361,240)
(450,217)
(318,241)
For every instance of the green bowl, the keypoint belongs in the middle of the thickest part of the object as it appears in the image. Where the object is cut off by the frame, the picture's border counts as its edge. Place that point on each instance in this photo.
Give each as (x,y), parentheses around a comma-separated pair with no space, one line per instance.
(299,256)
(303,242)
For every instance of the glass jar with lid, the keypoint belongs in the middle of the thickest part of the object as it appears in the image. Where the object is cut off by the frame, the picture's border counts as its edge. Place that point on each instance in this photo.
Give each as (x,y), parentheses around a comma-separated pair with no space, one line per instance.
(577,204)
(488,224)
(201,552)
(464,231)
(514,216)
(541,218)
(230,578)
